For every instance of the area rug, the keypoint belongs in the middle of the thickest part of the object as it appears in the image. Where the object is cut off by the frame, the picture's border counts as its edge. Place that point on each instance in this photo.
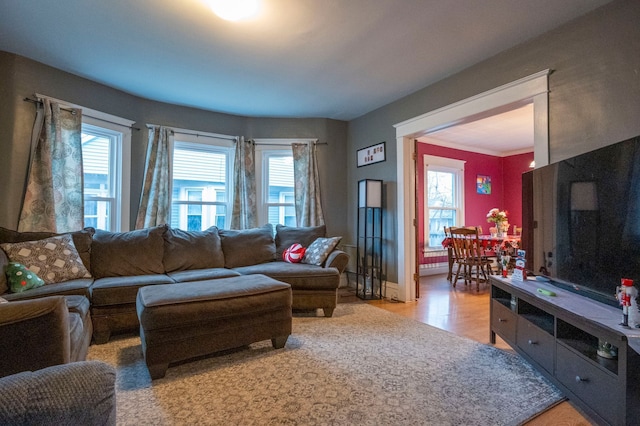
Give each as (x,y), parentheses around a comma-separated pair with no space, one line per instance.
(363,366)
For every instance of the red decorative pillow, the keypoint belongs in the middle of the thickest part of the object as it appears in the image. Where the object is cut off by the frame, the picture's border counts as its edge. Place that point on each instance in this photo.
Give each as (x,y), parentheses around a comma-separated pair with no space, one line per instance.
(294,254)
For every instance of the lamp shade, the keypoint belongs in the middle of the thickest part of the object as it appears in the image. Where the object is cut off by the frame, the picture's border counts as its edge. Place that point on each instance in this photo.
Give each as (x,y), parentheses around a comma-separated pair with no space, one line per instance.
(370,193)
(584,196)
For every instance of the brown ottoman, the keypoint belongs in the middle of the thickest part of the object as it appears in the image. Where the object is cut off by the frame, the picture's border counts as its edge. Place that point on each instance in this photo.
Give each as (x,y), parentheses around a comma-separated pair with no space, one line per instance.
(187,320)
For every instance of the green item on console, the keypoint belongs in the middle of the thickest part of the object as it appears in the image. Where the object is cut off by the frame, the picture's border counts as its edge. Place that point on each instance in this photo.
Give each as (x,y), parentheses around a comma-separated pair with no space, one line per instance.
(21,279)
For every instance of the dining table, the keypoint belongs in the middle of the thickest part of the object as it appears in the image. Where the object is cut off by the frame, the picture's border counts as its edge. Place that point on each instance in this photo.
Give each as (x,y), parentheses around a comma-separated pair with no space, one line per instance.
(492,244)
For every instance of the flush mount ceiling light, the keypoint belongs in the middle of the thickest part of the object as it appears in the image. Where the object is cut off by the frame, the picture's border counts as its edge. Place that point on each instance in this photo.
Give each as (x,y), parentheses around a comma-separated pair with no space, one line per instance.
(235,10)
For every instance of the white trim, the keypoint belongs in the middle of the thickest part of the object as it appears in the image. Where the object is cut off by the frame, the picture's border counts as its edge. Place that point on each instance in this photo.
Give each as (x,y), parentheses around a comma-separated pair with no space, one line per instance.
(449,165)
(531,88)
(122,163)
(98,115)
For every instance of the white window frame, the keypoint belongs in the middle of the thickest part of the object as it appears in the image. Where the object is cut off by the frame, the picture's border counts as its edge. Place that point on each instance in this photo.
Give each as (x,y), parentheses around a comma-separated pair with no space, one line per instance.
(120,217)
(266,147)
(448,165)
(213,142)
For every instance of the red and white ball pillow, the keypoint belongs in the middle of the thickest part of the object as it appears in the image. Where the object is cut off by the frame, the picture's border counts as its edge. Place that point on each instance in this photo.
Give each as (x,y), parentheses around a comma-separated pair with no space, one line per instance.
(294,254)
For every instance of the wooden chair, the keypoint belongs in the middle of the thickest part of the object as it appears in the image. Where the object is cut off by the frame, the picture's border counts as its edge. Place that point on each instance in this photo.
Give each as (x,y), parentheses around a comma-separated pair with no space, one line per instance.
(468,256)
(517,230)
(450,254)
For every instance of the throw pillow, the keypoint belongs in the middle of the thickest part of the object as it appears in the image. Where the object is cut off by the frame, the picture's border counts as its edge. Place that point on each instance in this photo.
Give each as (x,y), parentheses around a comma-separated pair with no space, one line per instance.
(22,279)
(124,254)
(319,250)
(82,240)
(294,254)
(287,235)
(248,246)
(54,259)
(185,250)
(4,262)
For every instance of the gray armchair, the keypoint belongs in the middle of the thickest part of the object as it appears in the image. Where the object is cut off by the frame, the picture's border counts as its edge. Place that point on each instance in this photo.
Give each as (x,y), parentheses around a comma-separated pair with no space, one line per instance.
(39,333)
(78,393)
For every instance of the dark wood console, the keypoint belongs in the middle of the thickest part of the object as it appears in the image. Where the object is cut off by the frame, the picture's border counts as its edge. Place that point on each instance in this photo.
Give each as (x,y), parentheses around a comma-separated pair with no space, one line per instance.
(559,335)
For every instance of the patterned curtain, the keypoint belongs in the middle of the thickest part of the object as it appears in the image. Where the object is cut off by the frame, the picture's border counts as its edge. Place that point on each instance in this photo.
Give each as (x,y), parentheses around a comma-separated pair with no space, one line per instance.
(154,200)
(307,185)
(53,201)
(245,212)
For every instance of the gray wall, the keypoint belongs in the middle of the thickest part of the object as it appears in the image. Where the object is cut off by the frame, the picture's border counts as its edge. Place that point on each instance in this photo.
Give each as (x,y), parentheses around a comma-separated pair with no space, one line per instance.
(21,77)
(594,98)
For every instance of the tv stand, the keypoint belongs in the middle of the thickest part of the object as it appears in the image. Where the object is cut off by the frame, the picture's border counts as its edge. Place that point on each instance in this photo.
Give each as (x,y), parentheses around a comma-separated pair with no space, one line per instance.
(559,336)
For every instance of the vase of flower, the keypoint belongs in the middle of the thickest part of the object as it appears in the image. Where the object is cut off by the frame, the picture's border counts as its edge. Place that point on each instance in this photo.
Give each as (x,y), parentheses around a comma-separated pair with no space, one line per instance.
(500,219)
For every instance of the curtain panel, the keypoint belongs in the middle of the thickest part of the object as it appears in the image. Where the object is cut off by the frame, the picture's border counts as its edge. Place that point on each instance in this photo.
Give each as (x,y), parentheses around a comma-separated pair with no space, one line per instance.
(53,201)
(307,185)
(245,212)
(155,197)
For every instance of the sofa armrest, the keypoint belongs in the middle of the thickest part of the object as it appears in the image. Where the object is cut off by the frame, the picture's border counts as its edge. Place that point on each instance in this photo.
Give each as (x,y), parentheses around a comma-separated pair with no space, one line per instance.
(337,259)
(79,393)
(34,334)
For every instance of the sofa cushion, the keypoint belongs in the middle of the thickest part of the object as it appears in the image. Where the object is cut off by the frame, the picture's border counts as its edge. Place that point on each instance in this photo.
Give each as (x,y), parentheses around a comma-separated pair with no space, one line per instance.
(288,235)
(81,239)
(300,276)
(319,250)
(22,279)
(53,259)
(120,254)
(185,250)
(78,287)
(201,274)
(248,246)
(111,291)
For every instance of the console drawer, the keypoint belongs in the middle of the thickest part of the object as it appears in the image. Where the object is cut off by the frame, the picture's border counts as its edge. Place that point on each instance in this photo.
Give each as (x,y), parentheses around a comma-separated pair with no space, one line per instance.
(503,321)
(595,387)
(536,343)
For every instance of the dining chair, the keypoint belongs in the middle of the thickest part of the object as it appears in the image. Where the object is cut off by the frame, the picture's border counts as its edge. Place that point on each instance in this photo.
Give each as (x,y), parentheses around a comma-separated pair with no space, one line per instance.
(468,256)
(517,230)
(450,254)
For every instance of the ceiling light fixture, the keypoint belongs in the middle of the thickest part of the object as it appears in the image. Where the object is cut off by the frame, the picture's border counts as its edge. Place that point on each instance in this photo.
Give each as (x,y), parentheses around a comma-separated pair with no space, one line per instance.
(235,10)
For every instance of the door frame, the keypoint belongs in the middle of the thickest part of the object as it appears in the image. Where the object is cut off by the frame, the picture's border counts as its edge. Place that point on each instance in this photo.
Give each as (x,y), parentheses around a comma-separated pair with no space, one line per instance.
(531,89)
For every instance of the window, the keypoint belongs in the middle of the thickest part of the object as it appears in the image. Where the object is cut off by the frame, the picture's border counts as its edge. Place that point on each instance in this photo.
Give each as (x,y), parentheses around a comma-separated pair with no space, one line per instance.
(444,197)
(201,181)
(276,187)
(106,163)
(279,187)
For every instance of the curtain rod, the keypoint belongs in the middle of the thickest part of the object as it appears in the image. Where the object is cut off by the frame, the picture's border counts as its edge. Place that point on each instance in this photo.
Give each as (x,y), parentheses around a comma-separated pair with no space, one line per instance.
(280,144)
(73,111)
(194,133)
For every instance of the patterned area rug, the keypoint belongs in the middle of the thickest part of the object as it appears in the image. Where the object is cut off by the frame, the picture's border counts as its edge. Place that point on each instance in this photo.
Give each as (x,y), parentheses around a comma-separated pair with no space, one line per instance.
(364,366)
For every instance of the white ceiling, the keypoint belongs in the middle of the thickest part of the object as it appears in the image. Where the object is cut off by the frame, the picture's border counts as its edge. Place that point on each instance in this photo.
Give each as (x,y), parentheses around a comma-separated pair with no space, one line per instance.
(302,58)
(503,134)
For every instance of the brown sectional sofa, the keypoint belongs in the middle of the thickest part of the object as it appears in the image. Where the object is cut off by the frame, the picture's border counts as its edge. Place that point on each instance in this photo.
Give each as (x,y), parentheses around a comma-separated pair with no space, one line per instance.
(122,262)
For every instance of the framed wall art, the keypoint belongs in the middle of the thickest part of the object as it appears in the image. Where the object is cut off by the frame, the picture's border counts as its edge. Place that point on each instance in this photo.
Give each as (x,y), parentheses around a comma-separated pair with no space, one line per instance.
(372,154)
(483,184)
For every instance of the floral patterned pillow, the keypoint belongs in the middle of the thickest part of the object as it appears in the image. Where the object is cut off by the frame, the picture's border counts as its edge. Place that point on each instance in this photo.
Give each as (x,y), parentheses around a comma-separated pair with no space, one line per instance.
(319,250)
(53,259)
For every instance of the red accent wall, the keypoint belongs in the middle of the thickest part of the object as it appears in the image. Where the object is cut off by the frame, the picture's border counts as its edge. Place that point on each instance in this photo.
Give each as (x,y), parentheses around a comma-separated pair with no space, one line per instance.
(506,184)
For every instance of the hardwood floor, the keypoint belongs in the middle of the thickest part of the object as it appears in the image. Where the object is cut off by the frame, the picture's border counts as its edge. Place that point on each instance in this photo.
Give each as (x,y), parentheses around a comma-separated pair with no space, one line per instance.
(465,311)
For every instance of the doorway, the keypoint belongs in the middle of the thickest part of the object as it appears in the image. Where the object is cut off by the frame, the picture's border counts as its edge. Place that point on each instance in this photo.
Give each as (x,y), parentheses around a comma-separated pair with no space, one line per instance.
(531,89)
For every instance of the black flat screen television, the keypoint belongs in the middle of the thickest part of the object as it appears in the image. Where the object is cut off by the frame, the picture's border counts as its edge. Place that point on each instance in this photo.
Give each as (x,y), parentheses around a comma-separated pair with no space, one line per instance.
(586,220)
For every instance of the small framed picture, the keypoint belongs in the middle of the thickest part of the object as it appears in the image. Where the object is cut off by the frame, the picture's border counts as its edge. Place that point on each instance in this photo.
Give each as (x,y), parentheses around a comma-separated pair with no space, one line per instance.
(483,184)
(372,154)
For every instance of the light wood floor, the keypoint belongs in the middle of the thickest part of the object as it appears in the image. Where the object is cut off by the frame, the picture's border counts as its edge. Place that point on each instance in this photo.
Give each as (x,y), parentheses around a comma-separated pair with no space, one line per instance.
(465,311)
